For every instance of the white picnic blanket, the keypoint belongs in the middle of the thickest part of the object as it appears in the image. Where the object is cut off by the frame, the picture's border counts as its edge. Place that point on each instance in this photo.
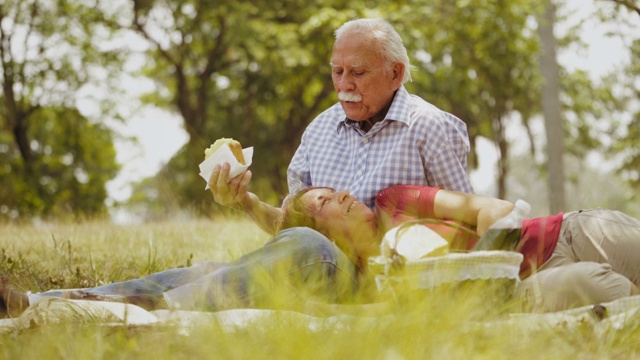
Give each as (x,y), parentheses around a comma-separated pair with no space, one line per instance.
(54,310)
(620,313)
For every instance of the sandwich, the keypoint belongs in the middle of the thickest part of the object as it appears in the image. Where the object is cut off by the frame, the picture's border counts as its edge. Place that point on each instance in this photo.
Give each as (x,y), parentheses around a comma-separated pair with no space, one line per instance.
(234,146)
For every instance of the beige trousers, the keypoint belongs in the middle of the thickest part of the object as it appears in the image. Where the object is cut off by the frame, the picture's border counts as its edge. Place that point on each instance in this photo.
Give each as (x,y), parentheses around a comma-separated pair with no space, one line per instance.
(597,259)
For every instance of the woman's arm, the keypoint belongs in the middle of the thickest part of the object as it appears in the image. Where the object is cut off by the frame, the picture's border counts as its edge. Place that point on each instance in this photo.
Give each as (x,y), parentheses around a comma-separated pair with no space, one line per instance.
(476,210)
(234,193)
(431,202)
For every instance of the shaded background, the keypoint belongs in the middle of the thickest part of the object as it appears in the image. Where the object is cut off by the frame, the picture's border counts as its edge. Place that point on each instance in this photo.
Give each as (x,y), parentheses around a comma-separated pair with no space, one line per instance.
(77,75)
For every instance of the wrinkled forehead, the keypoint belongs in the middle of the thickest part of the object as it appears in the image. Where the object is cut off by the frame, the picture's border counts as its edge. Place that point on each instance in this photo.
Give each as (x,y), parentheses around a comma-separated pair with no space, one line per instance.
(356,50)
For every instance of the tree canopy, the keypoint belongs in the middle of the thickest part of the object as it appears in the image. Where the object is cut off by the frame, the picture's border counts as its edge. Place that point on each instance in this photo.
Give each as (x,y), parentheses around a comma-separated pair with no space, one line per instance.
(54,159)
(258,71)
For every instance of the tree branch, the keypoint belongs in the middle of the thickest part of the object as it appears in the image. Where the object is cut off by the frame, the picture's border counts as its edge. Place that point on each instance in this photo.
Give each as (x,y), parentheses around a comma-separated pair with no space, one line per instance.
(629,5)
(138,26)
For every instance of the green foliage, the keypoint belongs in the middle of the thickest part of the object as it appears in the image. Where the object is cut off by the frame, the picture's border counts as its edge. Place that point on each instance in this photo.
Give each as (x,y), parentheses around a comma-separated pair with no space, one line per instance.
(255,71)
(263,82)
(626,142)
(54,160)
(72,159)
(258,71)
(476,59)
(623,89)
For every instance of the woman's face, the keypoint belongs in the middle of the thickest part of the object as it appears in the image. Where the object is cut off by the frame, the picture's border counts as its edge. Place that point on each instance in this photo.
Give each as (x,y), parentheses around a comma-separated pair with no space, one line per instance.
(340,216)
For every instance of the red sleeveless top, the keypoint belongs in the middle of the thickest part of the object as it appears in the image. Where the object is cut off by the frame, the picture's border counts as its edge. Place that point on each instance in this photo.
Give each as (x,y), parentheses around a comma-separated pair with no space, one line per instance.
(398,204)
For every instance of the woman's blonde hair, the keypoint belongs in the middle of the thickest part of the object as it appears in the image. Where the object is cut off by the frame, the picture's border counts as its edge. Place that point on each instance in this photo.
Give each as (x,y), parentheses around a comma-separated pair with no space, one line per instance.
(295,212)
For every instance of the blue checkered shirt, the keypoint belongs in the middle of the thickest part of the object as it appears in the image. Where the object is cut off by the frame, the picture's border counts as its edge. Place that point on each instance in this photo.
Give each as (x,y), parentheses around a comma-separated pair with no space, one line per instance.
(416,144)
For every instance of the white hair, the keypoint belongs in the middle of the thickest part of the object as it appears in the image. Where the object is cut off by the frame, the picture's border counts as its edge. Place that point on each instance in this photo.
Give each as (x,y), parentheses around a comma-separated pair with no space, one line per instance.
(379,29)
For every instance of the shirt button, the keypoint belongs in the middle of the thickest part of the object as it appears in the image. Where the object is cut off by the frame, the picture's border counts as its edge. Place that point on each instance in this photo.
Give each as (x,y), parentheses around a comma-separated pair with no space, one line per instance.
(365,141)
(359,173)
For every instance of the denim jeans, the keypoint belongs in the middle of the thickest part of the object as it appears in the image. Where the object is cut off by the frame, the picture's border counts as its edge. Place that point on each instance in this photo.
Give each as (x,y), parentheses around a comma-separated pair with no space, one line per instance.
(296,263)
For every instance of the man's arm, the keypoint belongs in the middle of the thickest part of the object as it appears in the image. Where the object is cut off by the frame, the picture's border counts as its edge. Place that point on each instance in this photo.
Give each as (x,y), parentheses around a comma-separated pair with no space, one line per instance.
(448,168)
(234,193)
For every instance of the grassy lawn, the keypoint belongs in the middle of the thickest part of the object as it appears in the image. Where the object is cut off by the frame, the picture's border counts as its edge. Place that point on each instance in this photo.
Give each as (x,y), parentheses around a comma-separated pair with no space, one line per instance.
(464,323)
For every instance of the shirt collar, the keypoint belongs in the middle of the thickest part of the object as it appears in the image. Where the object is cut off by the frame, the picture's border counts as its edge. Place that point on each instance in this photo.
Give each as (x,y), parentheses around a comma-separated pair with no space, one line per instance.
(398,111)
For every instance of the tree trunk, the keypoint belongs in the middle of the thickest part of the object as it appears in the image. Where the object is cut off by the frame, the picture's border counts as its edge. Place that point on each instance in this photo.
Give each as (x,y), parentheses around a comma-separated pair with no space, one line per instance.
(551,109)
(503,159)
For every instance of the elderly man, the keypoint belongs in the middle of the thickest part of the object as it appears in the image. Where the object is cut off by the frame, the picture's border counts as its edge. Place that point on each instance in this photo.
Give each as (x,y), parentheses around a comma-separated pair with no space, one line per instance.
(376,136)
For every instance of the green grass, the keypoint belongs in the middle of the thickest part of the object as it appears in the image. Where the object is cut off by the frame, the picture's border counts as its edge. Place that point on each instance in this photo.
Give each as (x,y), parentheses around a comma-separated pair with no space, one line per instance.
(460,323)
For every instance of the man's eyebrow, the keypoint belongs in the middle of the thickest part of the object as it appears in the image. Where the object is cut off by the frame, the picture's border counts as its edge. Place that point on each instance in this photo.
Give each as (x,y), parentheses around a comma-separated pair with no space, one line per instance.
(332,64)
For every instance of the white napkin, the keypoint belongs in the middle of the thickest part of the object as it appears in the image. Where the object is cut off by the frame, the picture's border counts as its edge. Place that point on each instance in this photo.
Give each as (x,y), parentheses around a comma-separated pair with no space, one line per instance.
(221,156)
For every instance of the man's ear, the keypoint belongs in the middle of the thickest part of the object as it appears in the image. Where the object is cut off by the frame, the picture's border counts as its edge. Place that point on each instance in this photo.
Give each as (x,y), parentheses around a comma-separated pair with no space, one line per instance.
(398,73)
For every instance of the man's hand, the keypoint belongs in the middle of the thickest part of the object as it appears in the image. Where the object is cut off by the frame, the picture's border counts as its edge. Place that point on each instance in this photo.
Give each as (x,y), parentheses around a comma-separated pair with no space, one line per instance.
(234,193)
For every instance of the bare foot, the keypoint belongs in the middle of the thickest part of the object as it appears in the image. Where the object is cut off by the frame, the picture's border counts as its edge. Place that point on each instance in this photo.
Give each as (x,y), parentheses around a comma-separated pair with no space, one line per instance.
(12,302)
